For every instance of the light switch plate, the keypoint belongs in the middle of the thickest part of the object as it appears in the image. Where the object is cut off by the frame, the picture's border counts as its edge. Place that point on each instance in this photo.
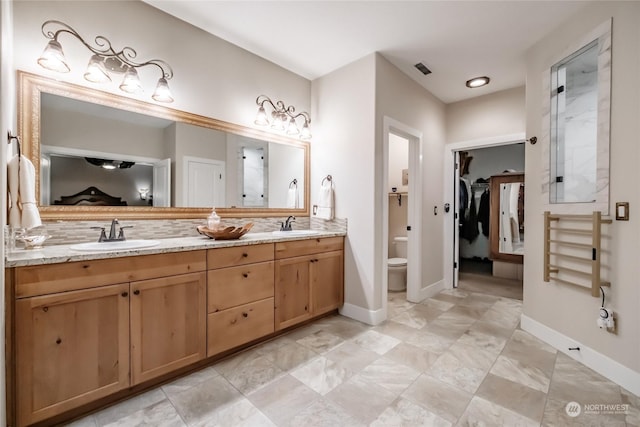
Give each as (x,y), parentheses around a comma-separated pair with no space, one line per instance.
(622,211)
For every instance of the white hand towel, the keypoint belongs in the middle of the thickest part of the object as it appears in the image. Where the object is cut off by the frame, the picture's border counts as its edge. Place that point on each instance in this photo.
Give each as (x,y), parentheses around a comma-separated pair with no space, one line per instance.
(22,178)
(292,198)
(13,180)
(325,201)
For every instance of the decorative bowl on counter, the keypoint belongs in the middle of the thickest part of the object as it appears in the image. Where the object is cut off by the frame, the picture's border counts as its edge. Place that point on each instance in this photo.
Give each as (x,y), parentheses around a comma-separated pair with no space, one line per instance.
(34,241)
(228,233)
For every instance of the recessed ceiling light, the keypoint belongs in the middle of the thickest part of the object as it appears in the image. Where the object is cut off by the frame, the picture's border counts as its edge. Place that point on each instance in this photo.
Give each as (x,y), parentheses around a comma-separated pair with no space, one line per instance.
(478,82)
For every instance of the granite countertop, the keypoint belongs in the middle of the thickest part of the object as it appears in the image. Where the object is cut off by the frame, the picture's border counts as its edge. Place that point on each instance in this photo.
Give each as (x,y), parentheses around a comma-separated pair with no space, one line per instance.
(63,253)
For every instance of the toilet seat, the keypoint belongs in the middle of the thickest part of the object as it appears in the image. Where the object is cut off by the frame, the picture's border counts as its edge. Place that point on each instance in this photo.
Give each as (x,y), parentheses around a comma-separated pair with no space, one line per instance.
(397,262)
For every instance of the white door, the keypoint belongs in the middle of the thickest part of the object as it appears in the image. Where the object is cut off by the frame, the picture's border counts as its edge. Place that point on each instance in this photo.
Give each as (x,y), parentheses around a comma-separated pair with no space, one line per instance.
(456,220)
(204,182)
(162,183)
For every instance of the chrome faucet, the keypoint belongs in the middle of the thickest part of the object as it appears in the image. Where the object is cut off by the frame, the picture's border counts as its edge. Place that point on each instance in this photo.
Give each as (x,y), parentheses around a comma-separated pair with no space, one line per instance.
(112,232)
(286,226)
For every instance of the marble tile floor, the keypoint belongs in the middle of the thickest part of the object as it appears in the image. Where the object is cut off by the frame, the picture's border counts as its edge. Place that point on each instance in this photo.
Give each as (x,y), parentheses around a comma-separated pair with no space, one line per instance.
(488,284)
(458,358)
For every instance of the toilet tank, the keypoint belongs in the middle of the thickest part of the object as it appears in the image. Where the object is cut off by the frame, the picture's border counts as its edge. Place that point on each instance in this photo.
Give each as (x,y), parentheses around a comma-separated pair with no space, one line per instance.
(401,246)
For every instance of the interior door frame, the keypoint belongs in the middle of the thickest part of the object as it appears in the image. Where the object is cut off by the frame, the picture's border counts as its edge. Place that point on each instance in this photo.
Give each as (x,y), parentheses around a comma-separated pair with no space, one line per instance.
(451,195)
(414,220)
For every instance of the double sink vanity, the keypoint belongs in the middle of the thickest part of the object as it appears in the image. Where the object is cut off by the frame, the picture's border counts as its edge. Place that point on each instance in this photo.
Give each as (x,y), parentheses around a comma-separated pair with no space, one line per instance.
(88,327)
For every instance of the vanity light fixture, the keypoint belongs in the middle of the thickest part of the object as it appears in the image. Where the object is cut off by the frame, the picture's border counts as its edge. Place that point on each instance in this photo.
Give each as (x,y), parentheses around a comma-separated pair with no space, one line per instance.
(283,118)
(478,82)
(104,60)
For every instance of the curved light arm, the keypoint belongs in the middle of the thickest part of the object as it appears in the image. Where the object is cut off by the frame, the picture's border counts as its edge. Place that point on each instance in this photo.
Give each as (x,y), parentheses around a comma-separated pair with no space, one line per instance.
(105,49)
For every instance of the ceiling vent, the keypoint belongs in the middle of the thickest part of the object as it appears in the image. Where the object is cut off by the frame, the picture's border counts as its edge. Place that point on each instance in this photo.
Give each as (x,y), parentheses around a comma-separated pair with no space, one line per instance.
(422,68)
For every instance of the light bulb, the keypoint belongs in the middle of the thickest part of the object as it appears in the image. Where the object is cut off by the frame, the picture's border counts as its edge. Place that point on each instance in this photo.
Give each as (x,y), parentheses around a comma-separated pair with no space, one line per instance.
(277,124)
(292,129)
(306,132)
(261,117)
(53,59)
(162,93)
(96,71)
(131,81)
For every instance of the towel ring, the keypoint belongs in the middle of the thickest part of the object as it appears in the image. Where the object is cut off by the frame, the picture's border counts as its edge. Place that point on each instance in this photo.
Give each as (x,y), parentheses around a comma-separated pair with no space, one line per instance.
(294,183)
(326,178)
(11,138)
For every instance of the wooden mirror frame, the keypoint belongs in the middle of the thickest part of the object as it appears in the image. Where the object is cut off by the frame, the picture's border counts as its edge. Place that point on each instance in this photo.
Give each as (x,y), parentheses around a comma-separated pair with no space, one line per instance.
(494,218)
(30,88)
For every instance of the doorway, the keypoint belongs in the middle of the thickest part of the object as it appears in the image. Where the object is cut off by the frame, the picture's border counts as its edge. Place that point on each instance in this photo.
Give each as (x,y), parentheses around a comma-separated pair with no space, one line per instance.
(459,243)
(411,199)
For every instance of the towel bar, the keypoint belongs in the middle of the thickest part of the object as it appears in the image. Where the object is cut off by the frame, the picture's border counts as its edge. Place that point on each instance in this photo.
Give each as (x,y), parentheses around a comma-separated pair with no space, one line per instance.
(559,241)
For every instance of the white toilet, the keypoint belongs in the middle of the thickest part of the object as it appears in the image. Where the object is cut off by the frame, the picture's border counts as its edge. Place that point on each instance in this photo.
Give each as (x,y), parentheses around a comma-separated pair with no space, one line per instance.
(398,266)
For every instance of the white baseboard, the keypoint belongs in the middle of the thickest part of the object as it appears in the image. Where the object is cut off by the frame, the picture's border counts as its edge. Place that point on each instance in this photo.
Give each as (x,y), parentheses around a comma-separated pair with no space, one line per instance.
(604,365)
(364,315)
(429,291)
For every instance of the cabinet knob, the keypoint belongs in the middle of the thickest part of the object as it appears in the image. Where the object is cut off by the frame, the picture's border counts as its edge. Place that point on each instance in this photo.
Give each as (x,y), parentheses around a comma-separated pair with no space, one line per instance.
(136,292)
(245,314)
(245,275)
(125,294)
(244,255)
(45,309)
(58,341)
(305,308)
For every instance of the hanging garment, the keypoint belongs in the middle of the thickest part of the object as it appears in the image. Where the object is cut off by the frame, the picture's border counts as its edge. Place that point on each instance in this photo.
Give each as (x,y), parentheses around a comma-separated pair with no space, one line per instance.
(484,212)
(463,202)
(470,229)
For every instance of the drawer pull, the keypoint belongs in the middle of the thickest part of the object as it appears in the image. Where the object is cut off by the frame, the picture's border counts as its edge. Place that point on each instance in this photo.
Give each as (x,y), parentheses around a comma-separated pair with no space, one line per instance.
(58,341)
(245,275)
(45,309)
(125,294)
(136,292)
(244,255)
(245,314)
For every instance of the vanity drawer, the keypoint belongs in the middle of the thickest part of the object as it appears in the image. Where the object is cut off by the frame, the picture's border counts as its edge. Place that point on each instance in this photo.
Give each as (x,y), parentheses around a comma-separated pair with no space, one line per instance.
(236,326)
(233,286)
(239,255)
(68,276)
(295,248)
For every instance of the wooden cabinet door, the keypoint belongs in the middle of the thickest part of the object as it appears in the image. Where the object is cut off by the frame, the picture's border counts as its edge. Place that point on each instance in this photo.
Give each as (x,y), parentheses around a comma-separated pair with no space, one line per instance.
(292,289)
(239,325)
(168,324)
(327,281)
(71,348)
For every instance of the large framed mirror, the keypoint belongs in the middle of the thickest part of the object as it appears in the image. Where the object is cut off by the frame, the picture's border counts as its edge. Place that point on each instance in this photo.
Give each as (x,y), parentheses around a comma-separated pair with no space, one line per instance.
(99,156)
(576,126)
(506,216)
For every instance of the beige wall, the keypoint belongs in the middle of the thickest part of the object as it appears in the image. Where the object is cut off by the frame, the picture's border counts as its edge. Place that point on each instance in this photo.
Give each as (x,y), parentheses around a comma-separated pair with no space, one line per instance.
(569,310)
(351,151)
(402,99)
(211,76)
(500,113)
(343,146)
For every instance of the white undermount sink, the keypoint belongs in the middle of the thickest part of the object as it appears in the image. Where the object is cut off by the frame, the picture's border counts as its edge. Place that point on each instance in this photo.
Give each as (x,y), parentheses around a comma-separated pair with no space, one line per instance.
(114,246)
(295,233)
